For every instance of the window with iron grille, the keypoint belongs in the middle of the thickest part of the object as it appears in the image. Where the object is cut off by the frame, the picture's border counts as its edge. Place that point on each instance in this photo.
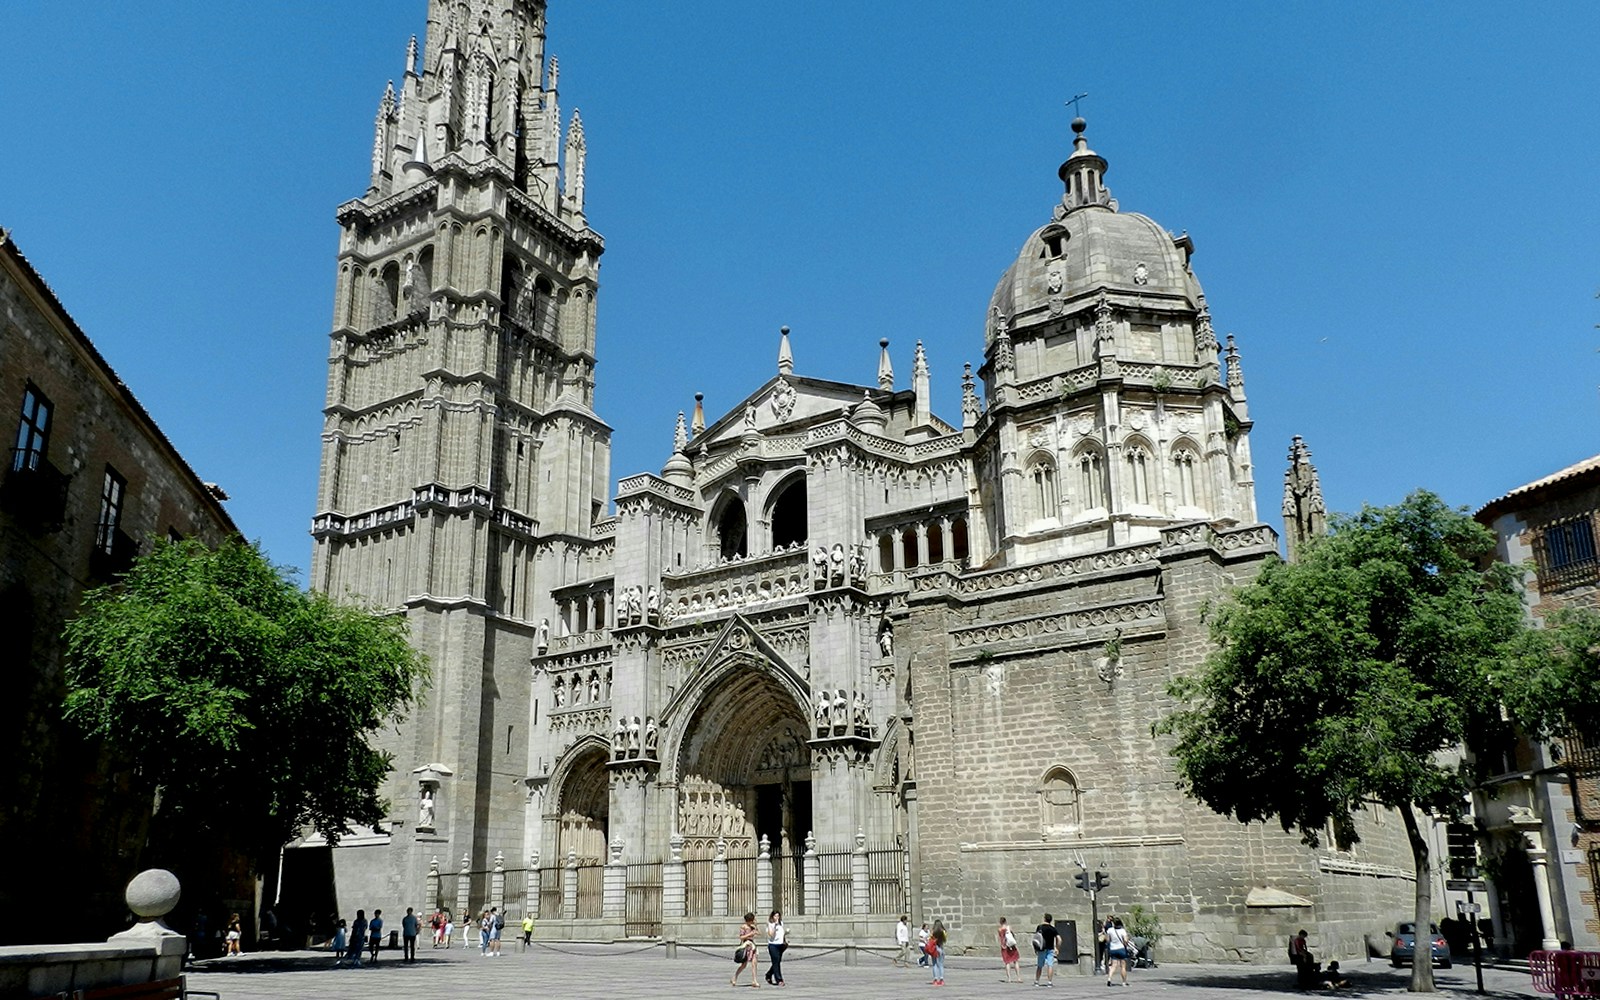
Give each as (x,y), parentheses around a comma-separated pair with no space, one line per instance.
(1567,553)
(111,493)
(33,433)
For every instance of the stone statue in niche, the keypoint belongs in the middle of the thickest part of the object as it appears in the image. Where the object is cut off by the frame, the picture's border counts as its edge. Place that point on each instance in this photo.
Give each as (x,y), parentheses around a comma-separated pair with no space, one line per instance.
(824,705)
(541,635)
(608,684)
(653,603)
(577,690)
(861,715)
(635,730)
(819,564)
(750,419)
(619,739)
(836,557)
(561,694)
(858,563)
(652,737)
(425,810)
(841,710)
(594,689)
(635,603)
(886,638)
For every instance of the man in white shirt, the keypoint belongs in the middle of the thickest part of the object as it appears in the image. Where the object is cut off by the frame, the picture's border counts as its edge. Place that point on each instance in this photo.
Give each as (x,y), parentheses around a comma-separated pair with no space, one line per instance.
(902,940)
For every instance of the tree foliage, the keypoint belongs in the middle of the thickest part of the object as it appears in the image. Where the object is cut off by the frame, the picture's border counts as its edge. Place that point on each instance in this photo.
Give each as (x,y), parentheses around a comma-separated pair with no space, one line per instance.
(243,702)
(1353,675)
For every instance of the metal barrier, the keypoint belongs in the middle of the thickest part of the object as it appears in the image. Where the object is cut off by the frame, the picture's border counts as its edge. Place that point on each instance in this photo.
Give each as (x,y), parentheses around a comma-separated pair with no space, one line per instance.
(643,912)
(591,890)
(837,892)
(551,881)
(1566,973)
(886,880)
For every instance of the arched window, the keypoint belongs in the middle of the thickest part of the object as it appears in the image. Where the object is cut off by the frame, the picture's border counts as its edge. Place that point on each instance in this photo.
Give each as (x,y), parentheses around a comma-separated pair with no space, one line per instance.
(908,548)
(1138,460)
(542,308)
(1183,469)
(958,540)
(388,294)
(1042,478)
(1091,480)
(886,552)
(788,514)
(1060,805)
(731,528)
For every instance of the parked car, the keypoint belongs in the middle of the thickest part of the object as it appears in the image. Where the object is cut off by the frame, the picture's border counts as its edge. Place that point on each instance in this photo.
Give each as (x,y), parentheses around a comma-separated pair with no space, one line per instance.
(1404,949)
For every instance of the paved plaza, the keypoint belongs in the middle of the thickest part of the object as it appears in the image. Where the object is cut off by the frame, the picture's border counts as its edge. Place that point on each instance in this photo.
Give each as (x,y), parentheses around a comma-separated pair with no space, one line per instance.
(581,972)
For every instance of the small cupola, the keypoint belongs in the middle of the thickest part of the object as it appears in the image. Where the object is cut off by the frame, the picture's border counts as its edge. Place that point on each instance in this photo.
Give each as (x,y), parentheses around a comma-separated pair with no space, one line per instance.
(1084,174)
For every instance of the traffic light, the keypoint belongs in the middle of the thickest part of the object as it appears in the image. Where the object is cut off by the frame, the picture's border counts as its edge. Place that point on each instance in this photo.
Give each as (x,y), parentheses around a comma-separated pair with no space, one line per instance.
(1101,880)
(1461,839)
(1082,881)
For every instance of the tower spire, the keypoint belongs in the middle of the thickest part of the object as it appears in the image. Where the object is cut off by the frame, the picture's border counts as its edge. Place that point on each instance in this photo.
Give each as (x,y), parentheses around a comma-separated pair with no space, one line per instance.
(573,170)
(885,367)
(785,356)
(922,386)
(699,423)
(1305,515)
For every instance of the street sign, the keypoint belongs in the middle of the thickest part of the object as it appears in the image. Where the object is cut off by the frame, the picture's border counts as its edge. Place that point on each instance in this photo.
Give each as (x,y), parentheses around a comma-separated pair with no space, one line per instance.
(1466,885)
(1465,908)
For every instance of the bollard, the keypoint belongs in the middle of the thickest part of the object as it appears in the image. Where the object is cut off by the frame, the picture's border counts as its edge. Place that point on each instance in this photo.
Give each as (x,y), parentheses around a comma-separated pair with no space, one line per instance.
(672,947)
(850,954)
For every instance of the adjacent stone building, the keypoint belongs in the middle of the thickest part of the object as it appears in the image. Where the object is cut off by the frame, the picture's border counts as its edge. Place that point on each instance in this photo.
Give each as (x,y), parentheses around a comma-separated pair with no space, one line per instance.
(840,656)
(1539,814)
(88,481)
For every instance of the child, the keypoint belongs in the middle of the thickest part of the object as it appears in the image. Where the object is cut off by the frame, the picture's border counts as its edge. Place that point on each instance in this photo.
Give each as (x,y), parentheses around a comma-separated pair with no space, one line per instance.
(337,946)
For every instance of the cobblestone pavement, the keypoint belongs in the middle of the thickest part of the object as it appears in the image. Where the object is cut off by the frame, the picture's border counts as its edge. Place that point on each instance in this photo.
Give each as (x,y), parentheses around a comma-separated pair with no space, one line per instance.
(582,972)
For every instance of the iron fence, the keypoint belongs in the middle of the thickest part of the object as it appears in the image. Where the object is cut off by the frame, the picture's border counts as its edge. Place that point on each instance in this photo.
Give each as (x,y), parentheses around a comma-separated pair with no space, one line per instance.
(643,911)
(886,880)
(837,895)
(591,890)
(550,882)
(697,887)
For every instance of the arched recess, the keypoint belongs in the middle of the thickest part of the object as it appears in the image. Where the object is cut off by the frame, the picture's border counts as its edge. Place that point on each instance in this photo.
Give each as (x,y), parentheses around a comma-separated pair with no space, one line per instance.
(1188,474)
(583,801)
(787,513)
(736,747)
(1140,471)
(1043,486)
(1060,804)
(730,527)
(1089,466)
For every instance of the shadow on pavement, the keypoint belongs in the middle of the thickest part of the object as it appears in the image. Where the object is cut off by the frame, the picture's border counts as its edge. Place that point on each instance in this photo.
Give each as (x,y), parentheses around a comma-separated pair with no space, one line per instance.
(295,961)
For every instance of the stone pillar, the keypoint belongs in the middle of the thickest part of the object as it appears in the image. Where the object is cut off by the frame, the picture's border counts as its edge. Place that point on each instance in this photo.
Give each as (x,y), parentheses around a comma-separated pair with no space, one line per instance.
(533,887)
(764,875)
(497,883)
(922,544)
(1539,858)
(860,898)
(433,897)
(569,886)
(463,891)
(811,876)
(719,880)
(674,882)
(614,894)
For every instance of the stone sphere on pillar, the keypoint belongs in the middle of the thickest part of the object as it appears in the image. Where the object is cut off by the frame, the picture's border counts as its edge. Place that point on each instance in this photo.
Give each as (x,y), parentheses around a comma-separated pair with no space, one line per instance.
(153,893)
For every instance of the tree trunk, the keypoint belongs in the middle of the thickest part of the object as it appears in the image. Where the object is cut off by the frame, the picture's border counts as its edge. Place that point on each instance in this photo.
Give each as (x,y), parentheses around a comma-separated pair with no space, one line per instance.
(1422,954)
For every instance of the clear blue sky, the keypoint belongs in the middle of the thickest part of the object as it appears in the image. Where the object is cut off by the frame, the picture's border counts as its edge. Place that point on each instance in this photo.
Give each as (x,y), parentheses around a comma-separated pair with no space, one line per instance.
(1395,207)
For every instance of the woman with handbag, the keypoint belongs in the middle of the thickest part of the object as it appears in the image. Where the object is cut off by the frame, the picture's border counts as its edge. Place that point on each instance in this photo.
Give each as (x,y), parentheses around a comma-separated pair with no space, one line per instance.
(745,954)
(1118,947)
(777,943)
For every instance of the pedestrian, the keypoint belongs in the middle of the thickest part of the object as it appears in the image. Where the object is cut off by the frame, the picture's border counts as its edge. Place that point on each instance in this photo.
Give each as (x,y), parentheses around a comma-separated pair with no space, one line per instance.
(922,945)
(449,928)
(375,932)
(436,924)
(497,926)
(1010,954)
(745,953)
(902,942)
(408,935)
(777,942)
(358,938)
(936,942)
(1304,964)
(1044,943)
(1118,947)
(527,931)
(484,923)
(235,936)
(338,944)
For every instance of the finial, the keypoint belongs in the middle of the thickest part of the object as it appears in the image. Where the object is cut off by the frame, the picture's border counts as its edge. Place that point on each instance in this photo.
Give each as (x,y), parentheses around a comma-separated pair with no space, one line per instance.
(1077,116)
(785,356)
(699,423)
(885,368)
(680,435)
(919,364)
(411,56)
(555,72)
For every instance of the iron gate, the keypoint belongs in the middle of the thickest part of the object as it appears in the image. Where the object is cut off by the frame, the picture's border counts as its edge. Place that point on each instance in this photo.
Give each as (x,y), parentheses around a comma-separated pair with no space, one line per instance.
(643,914)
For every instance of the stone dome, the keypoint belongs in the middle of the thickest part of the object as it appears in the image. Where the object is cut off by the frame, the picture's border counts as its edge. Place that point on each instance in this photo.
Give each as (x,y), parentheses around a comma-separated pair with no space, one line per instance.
(1089,247)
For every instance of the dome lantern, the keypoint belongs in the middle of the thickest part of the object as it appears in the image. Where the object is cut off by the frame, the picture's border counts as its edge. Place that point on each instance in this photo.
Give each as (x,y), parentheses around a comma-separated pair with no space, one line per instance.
(1084,174)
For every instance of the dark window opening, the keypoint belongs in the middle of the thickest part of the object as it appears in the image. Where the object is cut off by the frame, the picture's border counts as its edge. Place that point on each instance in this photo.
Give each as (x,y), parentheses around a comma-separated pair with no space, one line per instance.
(731,527)
(1567,553)
(111,496)
(958,540)
(33,435)
(908,547)
(789,516)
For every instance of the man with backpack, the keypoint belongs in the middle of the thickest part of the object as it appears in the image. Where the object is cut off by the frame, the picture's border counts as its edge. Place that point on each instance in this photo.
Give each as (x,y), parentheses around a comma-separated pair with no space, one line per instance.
(1044,946)
(497,927)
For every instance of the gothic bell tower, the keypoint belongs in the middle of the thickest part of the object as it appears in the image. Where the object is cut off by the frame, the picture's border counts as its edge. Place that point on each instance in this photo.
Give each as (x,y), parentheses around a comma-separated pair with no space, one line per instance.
(462,460)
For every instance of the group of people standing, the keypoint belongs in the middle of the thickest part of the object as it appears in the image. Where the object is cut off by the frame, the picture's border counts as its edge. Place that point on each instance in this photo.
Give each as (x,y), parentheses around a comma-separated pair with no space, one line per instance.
(930,947)
(363,936)
(1046,943)
(745,954)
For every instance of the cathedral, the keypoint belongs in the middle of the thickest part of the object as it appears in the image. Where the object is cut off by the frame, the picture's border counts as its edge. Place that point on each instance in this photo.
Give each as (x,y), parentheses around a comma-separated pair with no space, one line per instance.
(840,656)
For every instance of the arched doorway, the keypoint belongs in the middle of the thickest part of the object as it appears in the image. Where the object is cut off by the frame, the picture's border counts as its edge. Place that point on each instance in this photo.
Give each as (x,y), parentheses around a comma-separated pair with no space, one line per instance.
(584,814)
(746,774)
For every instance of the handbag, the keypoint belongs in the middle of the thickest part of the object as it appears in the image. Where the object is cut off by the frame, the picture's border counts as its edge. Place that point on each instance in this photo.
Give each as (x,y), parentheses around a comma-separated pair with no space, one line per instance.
(738,954)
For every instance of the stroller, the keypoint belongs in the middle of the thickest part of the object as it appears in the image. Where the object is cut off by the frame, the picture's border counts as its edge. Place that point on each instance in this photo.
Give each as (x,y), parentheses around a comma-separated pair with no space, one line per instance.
(1143,954)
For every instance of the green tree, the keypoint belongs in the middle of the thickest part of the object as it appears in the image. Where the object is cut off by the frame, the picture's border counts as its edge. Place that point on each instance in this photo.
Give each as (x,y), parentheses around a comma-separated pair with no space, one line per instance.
(239,701)
(1352,675)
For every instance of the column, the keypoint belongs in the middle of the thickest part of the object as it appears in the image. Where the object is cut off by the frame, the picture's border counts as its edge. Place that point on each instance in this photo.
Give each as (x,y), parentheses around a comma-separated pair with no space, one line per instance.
(922,544)
(764,875)
(533,886)
(569,886)
(614,892)
(947,551)
(860,899)
(811,876)
(674,882)
(719,880)
(463,888)
(1539,858)
(497,883)
(433,897)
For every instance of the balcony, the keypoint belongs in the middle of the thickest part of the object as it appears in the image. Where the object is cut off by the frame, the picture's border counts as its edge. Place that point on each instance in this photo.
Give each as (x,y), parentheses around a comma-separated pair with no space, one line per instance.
(35,492)
(112,555)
